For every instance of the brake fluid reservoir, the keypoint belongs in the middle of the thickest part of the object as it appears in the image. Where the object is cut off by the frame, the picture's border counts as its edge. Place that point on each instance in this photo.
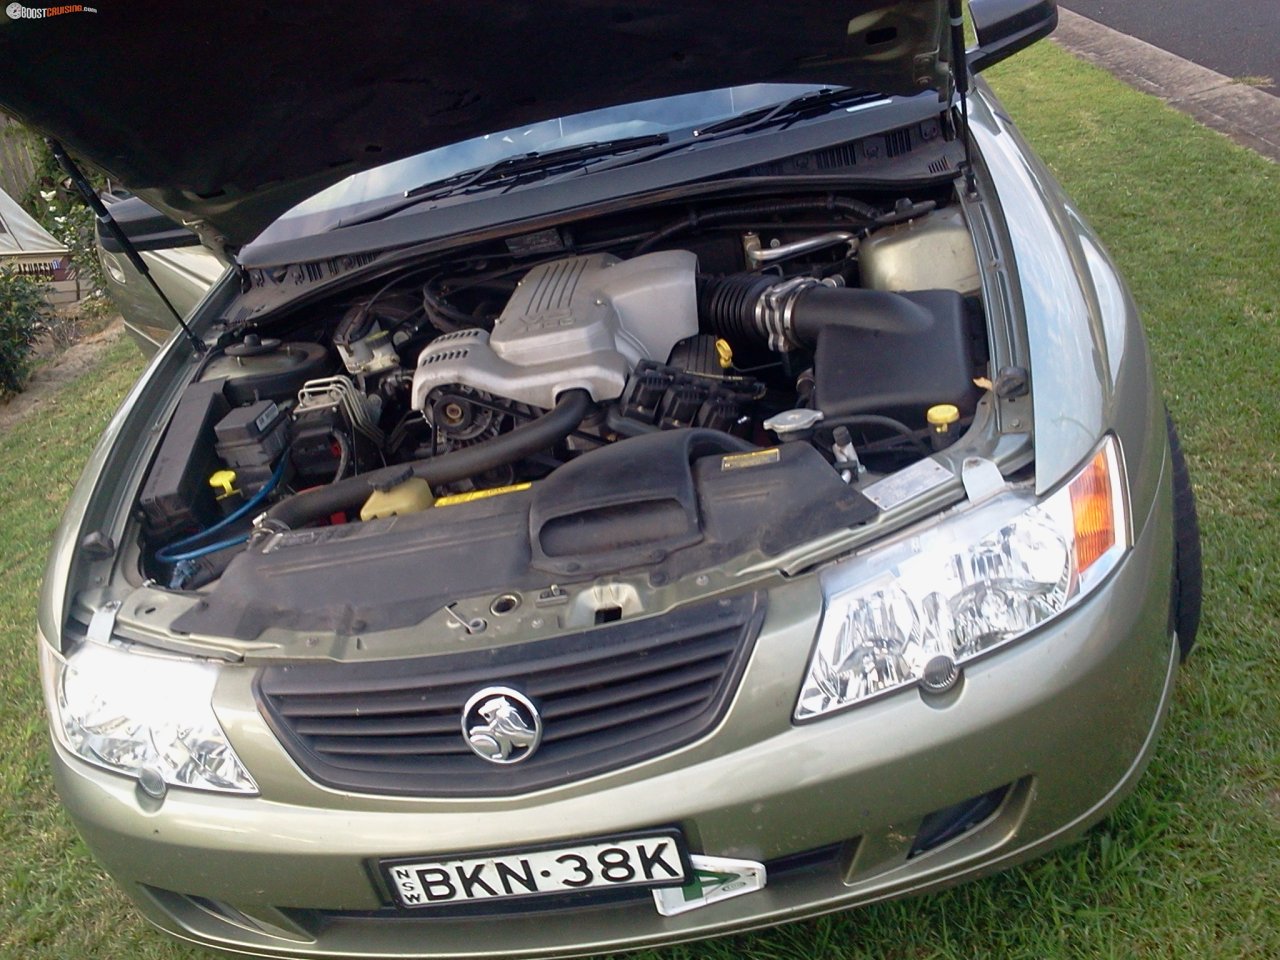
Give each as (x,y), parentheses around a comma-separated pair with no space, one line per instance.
(933,252)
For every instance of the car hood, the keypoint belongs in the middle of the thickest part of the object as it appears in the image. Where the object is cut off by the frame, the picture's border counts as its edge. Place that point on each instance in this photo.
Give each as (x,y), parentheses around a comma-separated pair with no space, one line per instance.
(226,115)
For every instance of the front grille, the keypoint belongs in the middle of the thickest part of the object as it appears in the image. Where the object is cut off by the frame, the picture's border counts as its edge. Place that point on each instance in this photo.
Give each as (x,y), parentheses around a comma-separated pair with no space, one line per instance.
(608,697)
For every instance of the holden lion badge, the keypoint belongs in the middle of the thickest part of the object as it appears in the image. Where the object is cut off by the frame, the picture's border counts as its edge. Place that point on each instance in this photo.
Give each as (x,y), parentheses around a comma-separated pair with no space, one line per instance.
(501,725)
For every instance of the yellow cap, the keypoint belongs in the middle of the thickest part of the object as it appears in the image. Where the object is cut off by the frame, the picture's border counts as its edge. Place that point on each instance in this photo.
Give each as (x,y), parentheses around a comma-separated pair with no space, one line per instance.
(724,353)
(942,415)
(223,481)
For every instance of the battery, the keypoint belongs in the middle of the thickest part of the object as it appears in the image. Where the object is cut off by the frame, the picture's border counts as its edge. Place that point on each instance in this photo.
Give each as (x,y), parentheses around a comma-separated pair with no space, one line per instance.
(250,440)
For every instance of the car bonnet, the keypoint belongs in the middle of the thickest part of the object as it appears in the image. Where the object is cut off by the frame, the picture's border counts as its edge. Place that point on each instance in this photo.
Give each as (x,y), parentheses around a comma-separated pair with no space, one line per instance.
(227,114)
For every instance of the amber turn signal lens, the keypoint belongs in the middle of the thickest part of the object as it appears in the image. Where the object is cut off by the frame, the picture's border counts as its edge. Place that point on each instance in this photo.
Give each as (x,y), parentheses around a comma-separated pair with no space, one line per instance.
(1092,512)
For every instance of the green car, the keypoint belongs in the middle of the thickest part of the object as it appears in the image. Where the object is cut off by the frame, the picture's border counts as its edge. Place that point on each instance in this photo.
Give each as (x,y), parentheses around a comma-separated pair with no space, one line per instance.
(644,474)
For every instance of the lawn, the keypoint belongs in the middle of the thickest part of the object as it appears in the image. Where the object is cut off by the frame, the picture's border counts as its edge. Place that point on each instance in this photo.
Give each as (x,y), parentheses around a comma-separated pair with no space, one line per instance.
(1188,866)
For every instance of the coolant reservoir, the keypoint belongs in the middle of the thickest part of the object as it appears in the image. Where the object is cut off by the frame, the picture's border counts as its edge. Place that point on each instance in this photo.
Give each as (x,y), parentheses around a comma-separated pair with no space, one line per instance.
(933,252)
(410,496)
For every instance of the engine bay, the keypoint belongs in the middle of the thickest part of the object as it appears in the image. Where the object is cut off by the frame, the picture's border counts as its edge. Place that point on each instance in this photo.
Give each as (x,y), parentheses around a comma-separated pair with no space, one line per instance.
(593,396)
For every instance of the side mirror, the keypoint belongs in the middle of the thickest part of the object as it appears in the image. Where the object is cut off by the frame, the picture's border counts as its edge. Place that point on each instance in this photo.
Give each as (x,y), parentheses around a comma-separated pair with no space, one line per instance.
(1006,26)
(147,227)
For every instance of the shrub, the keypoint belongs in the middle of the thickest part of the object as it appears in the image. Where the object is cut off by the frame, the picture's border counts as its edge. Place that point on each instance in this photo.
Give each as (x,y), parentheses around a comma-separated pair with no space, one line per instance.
(22,311)
(72,224)
(61,328)
(55,203)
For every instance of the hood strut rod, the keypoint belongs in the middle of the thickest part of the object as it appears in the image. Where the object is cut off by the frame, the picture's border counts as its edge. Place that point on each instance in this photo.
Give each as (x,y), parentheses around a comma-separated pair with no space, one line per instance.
(960,72)
(104,217)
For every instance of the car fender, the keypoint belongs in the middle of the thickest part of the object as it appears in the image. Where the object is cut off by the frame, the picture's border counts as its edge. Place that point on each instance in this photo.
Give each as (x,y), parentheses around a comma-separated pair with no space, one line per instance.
(1091,369)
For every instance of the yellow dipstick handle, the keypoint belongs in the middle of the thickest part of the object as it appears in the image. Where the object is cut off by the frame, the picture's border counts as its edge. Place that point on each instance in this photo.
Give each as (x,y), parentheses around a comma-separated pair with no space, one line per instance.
(224,482)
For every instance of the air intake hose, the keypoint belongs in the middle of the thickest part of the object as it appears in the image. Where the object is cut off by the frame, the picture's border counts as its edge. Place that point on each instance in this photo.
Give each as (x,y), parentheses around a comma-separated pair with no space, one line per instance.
(346,496)
(789,314)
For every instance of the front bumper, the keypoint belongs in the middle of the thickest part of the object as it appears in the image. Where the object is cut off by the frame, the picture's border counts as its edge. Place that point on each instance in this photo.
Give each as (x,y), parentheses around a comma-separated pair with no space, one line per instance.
(1065,718)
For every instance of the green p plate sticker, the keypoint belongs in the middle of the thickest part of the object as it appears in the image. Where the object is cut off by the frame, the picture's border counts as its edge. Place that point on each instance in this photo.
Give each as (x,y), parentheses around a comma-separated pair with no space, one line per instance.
(714,879)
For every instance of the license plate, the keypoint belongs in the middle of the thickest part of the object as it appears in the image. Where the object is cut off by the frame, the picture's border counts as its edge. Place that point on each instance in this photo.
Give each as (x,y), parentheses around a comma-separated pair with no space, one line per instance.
(653,860)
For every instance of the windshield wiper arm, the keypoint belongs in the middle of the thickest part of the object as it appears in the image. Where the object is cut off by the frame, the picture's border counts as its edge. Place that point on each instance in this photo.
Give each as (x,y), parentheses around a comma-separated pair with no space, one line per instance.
(804,107)
(509,172)
(538,162)
(788,111)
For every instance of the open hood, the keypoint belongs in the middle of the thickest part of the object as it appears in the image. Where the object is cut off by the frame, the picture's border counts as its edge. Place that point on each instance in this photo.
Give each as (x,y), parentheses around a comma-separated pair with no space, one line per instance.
(232,112)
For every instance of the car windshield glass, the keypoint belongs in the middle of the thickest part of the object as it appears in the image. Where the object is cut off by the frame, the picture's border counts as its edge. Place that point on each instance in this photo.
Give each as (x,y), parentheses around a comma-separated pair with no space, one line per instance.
(345,200)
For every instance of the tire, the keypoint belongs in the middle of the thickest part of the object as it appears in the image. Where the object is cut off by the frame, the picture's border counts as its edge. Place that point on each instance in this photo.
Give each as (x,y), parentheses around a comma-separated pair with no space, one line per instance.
(1188,579)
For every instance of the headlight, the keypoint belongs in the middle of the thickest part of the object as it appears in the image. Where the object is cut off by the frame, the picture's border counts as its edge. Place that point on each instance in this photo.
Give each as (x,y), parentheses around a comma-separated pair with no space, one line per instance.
(146,716)
(912,611)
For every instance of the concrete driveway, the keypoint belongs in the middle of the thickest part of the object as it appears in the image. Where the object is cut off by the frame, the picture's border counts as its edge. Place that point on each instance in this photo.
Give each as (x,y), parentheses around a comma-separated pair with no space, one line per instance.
(1238,38)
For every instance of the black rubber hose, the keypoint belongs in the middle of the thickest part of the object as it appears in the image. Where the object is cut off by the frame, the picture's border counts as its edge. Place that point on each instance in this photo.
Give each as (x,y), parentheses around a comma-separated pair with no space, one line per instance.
(854,209)
(345,496)
(876,420)
(727,307)
(879,310)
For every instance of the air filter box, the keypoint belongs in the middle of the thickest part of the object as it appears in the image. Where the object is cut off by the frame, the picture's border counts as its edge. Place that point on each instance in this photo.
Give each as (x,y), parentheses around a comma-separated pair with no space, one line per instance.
(899,373)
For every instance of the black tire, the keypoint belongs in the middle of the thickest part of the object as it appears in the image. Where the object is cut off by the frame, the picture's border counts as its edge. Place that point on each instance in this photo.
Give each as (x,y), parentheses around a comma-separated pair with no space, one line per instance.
(1188,578)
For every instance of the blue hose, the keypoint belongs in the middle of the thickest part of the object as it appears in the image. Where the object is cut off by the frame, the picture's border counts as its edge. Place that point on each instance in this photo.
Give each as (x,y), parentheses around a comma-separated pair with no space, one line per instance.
(170,557)
(174,552)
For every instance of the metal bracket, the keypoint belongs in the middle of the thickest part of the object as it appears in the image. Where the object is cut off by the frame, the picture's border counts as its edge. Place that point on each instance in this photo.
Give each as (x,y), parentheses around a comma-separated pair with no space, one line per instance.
(103,622)
(457,621)
(982,479)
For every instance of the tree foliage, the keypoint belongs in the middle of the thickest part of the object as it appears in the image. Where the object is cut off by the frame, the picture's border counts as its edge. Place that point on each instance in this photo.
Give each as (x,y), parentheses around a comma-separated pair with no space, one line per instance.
(53,201)
(23,311)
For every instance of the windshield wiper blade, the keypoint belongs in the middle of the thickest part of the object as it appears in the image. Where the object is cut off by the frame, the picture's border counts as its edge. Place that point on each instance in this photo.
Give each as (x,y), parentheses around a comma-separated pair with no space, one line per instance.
(803,107)
(800,108)
(539,162)
(509,172)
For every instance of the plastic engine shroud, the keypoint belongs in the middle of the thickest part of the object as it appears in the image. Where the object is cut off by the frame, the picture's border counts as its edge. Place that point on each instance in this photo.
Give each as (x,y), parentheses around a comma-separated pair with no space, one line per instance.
(577,323)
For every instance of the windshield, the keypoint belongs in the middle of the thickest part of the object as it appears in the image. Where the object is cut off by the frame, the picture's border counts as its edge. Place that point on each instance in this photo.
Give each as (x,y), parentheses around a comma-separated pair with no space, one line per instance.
(667,115)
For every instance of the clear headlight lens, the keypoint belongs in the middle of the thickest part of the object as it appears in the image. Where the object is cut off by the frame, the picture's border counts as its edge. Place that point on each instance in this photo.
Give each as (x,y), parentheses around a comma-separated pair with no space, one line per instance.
(912,611)
(142,715)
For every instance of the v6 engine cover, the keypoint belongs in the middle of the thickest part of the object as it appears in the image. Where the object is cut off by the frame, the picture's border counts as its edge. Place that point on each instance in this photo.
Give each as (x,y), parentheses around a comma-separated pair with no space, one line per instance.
(577,323)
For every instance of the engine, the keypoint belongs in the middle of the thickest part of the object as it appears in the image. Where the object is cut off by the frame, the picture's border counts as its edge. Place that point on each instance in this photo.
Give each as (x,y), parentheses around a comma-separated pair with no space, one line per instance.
(487,372)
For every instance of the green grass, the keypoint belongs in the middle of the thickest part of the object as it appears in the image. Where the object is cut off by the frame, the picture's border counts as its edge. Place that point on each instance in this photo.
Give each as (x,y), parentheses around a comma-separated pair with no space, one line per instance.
(1188,866)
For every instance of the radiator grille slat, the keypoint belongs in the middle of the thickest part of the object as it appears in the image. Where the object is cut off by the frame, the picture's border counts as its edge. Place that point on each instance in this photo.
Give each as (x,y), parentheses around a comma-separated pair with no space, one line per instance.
(608,697)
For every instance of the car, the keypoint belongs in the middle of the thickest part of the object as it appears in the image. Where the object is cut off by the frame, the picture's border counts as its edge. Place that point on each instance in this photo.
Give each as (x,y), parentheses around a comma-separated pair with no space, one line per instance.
(643,474)
(181,267)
